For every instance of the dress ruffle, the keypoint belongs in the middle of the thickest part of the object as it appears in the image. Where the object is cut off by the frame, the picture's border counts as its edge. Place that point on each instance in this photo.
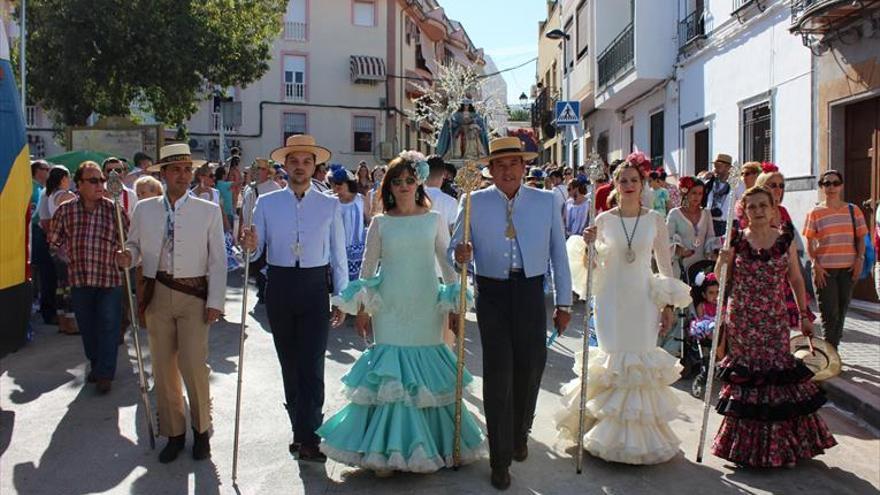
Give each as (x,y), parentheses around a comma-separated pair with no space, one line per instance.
(399,437)
(449,298)
(420,376)
(360,292)
(772,444)
(577,264)
(629,403)
(669,291)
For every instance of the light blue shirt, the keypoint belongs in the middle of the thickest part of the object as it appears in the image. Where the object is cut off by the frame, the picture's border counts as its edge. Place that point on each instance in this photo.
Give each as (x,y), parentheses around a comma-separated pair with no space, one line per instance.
(539,240)
(513,253)
(307,232)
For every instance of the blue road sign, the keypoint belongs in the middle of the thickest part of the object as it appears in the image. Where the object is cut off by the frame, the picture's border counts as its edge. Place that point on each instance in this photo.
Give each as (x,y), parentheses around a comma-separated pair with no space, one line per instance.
(568,112)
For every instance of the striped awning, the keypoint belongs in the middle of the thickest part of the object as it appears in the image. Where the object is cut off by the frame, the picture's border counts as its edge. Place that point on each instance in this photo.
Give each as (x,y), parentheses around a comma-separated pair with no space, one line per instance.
(367,69)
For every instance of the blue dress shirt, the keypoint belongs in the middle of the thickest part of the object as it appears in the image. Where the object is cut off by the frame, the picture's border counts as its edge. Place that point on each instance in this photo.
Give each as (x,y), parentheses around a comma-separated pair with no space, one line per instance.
(539,240)
(305,232)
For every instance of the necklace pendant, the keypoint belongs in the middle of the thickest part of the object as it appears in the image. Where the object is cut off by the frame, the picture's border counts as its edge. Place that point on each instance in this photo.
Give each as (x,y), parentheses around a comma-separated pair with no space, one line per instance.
(630,255)
(510,233)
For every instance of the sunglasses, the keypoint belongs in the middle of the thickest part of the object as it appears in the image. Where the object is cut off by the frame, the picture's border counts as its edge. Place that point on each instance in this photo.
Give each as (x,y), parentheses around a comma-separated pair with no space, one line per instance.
(831,183)
(95,180)
(399,182)
(776,185)
(114,169)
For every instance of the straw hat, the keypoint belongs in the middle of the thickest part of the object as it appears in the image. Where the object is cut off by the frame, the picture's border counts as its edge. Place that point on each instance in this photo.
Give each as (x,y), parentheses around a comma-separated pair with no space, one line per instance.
(175,153)
(301,142)
(506,146)
(723,158)
(824,362)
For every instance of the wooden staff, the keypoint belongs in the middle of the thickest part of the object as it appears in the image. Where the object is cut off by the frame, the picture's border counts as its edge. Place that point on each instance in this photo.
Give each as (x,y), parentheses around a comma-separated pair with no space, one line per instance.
(733,179)
(115,187)
(247,217)
(594,169)
(468,179)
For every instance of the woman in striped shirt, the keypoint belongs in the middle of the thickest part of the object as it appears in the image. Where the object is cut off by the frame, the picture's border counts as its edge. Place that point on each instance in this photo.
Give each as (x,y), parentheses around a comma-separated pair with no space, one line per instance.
(834,232)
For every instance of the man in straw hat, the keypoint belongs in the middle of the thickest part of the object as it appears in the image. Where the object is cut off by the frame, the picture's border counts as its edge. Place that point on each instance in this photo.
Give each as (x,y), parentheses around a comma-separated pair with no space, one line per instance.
(515,234)
(304,237)
(178,239)
(718,192)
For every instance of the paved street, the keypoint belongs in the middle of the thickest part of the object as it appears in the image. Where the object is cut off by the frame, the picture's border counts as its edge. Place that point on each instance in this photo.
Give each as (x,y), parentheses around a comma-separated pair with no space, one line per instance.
(58,436)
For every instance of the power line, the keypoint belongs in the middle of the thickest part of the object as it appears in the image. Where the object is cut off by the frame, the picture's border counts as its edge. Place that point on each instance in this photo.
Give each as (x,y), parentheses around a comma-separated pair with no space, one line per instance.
(481,76)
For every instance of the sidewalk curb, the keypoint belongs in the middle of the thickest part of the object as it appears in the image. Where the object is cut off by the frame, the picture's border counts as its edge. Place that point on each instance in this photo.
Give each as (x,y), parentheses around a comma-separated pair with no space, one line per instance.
(850,397)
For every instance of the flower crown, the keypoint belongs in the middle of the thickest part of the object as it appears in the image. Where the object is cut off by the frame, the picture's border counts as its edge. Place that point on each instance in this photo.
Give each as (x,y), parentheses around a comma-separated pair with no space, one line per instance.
(702,278)
(639,159)
(685,184)
(338,173)
(769,167)
(419,164)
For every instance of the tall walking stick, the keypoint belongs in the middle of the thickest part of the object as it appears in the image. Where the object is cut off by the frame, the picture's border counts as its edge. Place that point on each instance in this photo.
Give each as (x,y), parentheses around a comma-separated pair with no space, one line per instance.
(467,179)
(733,179)
(594,169)
(114,186)
(247,217)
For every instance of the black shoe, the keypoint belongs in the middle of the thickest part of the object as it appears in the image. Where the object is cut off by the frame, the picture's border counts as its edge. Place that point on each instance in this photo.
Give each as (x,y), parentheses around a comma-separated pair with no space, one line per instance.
(310,453)
(172,448)
(294,447)
(103,385)
(520,451)
(501,478)
(201,445)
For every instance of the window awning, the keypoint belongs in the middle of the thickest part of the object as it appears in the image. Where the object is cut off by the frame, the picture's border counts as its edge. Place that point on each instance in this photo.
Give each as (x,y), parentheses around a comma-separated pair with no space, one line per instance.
(367,69)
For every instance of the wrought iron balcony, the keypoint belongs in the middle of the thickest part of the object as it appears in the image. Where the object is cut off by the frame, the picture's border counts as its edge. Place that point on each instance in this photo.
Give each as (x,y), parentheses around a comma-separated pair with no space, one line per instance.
(740,4)
(692,27)
(617,57)
(822,16)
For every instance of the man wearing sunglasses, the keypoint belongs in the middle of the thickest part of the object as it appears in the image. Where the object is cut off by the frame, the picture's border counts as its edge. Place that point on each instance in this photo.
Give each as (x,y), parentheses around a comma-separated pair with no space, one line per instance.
(83,227)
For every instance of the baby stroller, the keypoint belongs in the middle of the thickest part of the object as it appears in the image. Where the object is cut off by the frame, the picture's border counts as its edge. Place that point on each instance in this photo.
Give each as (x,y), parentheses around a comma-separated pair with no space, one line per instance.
(696,333)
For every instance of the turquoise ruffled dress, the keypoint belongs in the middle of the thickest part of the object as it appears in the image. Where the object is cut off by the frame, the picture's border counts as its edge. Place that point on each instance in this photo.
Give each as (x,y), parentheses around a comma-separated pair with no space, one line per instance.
(401,414)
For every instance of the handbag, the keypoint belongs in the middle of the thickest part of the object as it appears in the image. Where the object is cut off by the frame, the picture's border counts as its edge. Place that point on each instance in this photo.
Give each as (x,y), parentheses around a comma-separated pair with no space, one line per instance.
(869,246)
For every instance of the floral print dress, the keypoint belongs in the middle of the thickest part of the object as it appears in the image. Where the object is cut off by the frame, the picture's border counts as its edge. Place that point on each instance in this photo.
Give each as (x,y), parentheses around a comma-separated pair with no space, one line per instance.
(767,399)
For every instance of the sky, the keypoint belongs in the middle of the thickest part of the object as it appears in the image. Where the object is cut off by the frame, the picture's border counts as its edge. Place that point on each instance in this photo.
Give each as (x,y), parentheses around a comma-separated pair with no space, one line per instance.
(509,42)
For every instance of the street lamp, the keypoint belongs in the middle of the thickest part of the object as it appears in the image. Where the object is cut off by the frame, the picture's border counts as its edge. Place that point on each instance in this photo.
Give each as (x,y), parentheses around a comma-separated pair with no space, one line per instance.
(557,34)
(523,99)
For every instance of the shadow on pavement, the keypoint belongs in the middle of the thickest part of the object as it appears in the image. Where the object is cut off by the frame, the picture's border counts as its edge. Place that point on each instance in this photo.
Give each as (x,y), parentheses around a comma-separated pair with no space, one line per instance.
(39,369)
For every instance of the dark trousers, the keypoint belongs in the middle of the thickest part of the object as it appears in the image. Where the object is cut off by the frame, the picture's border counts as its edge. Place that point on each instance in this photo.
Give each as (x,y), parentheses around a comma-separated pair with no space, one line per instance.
(834,301)
(98,315)
(512,321)
(46,270)
(299,314)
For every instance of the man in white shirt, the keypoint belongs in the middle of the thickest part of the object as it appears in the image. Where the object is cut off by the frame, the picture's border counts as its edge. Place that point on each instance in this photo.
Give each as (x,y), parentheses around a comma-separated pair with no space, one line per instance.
(441,202)
(264,185)
(302,233)
(178,239)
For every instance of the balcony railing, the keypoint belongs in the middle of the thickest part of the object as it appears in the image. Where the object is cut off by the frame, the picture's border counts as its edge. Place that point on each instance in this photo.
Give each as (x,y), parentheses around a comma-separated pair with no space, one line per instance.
(294,31)
(617,57)
(692,27)
(215,124)
(294,91)
(739,4)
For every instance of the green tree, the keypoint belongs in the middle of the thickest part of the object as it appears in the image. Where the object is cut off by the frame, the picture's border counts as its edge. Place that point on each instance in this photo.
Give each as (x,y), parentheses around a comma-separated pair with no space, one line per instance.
(519,115)
(101,56)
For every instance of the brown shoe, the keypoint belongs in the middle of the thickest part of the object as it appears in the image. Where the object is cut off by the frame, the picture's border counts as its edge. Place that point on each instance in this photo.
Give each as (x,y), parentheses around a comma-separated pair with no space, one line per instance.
(500,478)
(310,453)
(104,385)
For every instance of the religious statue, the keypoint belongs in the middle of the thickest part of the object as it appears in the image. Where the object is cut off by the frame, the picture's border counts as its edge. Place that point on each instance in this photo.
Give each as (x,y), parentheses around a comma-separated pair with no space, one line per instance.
(464,135)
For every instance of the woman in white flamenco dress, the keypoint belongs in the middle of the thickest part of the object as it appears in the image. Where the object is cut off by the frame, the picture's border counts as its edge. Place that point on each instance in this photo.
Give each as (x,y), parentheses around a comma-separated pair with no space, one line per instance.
(629,399)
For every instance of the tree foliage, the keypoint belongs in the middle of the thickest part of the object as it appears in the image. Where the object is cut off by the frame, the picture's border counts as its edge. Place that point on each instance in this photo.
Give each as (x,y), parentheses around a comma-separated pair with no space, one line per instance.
(101,56)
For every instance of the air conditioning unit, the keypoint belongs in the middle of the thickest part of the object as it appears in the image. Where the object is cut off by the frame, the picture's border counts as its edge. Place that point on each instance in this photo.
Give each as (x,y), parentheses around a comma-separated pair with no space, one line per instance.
(386,150)
(196,144)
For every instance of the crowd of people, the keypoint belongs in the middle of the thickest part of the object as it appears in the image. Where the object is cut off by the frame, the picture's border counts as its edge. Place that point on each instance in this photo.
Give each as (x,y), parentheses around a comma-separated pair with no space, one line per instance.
(383,244)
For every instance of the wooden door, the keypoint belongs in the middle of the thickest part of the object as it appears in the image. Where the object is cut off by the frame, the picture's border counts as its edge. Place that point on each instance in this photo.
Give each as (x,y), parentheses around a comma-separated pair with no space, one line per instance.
(861,169)
(701,151)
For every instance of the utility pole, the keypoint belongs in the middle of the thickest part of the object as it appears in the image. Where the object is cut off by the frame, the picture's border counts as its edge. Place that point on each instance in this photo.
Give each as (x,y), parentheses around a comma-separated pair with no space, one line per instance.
(22,53)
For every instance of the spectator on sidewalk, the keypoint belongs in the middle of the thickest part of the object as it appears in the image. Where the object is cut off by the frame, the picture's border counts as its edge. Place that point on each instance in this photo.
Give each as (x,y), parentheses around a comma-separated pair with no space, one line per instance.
(41,261)
(834,232)
(58,192)
(86,229)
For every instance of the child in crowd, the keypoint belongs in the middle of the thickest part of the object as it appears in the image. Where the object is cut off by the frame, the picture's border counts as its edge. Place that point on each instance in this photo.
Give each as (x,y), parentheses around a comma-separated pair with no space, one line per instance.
(661,203)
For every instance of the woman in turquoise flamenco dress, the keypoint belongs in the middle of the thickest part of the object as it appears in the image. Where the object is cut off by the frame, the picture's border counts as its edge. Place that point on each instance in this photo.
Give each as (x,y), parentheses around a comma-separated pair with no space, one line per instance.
(402,389)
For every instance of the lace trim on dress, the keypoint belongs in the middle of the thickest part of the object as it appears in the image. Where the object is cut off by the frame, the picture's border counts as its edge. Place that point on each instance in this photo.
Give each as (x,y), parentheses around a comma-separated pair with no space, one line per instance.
(418,462)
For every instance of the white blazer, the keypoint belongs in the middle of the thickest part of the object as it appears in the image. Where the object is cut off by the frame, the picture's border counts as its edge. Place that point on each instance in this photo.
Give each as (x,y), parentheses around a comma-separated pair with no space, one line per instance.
(200,248)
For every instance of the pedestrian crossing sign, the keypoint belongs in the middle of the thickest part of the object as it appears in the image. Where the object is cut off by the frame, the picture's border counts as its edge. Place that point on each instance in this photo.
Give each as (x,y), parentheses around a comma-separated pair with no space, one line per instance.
(568,112)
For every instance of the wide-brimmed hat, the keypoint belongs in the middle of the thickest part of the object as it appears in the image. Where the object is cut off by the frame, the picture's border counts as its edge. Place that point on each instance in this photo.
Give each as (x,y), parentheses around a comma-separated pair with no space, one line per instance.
(301,142)
(506,146)
(536,173)
(175,153)
(823,361)
(723,158)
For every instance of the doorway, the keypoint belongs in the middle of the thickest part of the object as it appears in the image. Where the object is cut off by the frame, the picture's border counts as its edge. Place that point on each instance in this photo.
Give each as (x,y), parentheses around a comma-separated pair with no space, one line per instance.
(701,151)
(861,169)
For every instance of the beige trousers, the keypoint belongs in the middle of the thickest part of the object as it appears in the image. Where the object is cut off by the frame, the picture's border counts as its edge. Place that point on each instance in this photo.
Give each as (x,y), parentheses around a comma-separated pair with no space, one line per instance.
(179,347)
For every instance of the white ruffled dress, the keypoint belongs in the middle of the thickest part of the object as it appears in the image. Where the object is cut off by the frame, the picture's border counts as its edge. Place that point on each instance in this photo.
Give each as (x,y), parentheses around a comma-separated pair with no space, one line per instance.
(629,401)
